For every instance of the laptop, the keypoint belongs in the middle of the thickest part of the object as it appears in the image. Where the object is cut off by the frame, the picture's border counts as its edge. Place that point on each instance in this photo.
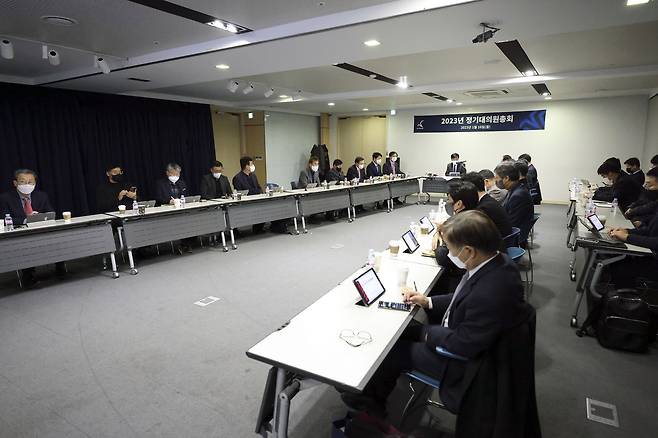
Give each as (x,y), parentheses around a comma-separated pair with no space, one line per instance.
(40,217)
(331,183)
(311,185)
(147,204)
(243,192)
(425,221)
(189,199)
(369,286)
(595,226)
(411,242)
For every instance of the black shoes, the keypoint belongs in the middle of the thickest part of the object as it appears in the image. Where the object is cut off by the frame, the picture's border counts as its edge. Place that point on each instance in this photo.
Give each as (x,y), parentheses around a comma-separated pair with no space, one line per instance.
(362,402)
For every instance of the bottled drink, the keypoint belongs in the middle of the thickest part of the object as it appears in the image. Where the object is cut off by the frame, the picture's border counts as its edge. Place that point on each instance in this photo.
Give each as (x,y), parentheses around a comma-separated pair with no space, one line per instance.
(9,223)
(267,190)
(615,205)
(371,257)
(135,205)
(182,201)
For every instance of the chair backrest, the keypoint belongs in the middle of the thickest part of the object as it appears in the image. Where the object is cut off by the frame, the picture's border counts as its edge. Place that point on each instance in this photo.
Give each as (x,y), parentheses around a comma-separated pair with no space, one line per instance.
(513,238)
(293,184)
(535,218)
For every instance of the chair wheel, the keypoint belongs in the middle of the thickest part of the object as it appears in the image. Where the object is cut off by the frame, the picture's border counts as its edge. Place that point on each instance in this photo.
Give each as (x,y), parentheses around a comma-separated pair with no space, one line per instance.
(235,246)
(134,271)
(574,322)
(115,275)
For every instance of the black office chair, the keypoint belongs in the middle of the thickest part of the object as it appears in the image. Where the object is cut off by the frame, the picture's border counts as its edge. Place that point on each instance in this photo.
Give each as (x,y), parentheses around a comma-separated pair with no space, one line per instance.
(293,185)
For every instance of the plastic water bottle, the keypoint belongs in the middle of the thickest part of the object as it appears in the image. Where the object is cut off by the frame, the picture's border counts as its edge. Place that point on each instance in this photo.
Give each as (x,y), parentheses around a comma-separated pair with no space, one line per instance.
(371,257)
(615,205)
(267,190)
(9,223)
(135,205)
(182,201)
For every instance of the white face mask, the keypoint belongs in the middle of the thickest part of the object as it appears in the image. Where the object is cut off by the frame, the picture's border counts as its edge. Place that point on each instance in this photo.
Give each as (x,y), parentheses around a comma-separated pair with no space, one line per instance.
(25,189)
(174,179)
(456,260)
(315,168)
(252,168)
(216,175)
(378,161)
(394,159)
(360,166)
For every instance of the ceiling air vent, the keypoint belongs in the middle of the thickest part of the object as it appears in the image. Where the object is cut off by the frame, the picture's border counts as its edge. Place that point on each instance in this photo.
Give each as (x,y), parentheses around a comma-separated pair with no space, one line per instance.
(139,80)
(487,94)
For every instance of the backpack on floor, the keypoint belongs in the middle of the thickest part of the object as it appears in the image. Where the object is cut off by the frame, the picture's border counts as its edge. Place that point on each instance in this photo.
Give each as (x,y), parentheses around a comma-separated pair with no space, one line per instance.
(624,321)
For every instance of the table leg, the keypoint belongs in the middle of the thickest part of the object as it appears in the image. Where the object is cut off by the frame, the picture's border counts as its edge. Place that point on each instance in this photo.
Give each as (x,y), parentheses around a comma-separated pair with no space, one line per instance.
(349,214)
(296,228)
(115,272)
(133,271)
(353,212)
(280,381)
(20,279)
(233,240)
(224,242)
(304,225)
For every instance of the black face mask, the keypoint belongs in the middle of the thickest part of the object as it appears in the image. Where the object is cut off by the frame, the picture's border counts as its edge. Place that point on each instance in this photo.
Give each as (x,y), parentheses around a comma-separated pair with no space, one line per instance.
(117,178)
(339,169)
(629,171)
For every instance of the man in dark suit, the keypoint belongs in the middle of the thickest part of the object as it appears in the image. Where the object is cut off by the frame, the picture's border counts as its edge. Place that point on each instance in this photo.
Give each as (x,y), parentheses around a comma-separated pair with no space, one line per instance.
(489,205)
(356,171)
(391,167)
(23,202)
(455,167)
(215,185)
(488,301)
(518,203)
(246,179)
(336,171)
(634,171)
(374,169)
(532,180)
(172,187)
(310,175)
(626,272)
(115,191)
(624,188)
(642,211)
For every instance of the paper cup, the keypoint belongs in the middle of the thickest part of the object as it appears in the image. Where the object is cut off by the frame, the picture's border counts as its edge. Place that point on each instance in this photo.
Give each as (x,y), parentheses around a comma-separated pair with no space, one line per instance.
(176,203)
(66,215)
(378,261)
(394,247)
(122,209)
(424,229)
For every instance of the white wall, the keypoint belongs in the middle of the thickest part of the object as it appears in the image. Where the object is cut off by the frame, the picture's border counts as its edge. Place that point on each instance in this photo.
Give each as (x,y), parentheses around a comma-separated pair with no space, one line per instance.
(288,142)
(651,138)
(579,135)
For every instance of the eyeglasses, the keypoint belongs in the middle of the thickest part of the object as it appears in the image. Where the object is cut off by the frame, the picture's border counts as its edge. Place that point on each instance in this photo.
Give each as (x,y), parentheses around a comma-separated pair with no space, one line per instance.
(355,339)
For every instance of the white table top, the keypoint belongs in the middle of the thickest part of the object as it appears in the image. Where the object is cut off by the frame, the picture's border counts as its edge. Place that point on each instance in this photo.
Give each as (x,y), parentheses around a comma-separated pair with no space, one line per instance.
(150,211)
(59,223)
(310,343)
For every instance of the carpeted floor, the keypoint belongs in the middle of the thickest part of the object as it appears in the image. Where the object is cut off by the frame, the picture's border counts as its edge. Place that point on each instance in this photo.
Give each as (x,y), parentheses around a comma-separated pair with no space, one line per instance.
(134,357)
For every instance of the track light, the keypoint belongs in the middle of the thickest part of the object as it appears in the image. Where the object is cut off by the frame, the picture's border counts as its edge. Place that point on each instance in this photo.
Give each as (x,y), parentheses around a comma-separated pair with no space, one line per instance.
(269,92)
(487,33)
(7,49)
(248,89)
(53,57)
(233,86)
(101,64)
(403,82)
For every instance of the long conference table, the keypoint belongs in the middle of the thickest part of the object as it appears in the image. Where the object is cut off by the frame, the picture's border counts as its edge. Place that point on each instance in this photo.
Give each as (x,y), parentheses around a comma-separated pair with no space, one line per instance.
(106,234)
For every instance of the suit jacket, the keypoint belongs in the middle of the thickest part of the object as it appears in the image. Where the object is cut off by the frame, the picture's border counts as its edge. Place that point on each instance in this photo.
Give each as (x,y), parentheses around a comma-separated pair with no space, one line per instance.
(209,187)
(107,196)
(498,194)
(354,173)
(391,168)
(488,304)
(497,214)
(520,209)
(533,185)
(165,190)
(626,190)
(646,237)
(638,177)
(10,203)
(242,181)
(373,170)
(306,177)
(461,168)
(334,175)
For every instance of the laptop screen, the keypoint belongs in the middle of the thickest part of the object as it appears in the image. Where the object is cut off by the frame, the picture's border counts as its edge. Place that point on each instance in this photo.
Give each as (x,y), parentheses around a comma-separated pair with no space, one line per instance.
(410,241)
(369,286)
(596,222)
(425,221)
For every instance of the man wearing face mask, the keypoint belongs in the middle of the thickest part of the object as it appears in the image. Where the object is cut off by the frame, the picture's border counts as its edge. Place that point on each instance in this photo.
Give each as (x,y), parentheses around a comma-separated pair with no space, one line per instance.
(356,171)
(310,175)
(215,185)
(487,303)
(166,190)
(634,171)
(114,191)
(518,202)
(493,189)
(624,188)
(642,211)
(374,169)
(455,167)
(246,178)
(336,171)
(392,167)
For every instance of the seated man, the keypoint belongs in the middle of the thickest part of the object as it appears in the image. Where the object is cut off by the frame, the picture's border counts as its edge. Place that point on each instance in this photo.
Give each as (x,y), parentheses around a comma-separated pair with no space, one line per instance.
(654,161)
(489,205)
(336,171)
(488,301)
(518,203)
(215,185)
(310,175)
(634,171)
(356,172)
(624,188)
(374,169)
(246,179)
(455,167)
(115,191)
(172,187)
(391,167)
(641,211)
(626,272)
(491,186)
(21,203)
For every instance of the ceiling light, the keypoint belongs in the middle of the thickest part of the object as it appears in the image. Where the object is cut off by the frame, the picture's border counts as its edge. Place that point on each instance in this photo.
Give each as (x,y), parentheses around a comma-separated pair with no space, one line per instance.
(530,73)
(233,86)
(231,28)
(372,43)
(402,83)
(269,92)
(248,89)
(449,100)
(101,64)
(372,76)
(393,112)
(218,24)
(331,104)
(636,2)
(546,93)
(7,49)
(365,109)
(547,98)
(222,66)
(284,96)
(53,57)
(459,103)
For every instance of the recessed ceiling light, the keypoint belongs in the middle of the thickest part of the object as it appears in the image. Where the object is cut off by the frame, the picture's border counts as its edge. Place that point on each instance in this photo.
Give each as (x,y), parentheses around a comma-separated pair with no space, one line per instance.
(459,103)
(636,2)
(365,109)
(372,43)
(331,104)
(372,76)
(222,66)
(402,83)
(546,93)
(59,21)
(450,101)
(547,98)
(284,96)
(530,73)
(393,112)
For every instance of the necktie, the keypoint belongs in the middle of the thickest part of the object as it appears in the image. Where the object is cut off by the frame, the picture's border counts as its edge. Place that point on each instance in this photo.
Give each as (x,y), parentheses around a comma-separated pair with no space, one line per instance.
(454,167)
(393,166)
(461,284)
(27,206)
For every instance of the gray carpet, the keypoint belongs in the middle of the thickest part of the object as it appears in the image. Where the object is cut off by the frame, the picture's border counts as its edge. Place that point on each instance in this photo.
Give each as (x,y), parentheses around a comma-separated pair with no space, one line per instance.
(133,357)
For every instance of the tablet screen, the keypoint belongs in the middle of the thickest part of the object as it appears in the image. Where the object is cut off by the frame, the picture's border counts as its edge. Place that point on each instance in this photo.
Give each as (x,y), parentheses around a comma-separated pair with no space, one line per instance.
(596,222)
(425,221)
(369,286)
(410,241)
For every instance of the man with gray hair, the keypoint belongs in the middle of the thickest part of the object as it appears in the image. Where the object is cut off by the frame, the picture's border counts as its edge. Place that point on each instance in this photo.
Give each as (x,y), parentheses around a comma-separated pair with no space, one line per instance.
(166,190)
(518,202)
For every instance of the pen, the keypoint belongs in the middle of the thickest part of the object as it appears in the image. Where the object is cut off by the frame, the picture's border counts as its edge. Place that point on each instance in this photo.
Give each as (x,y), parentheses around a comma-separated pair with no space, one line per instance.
(415,287)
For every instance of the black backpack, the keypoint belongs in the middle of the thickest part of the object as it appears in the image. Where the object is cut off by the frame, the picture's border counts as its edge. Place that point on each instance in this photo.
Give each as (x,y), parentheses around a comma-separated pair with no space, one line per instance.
(624,321)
